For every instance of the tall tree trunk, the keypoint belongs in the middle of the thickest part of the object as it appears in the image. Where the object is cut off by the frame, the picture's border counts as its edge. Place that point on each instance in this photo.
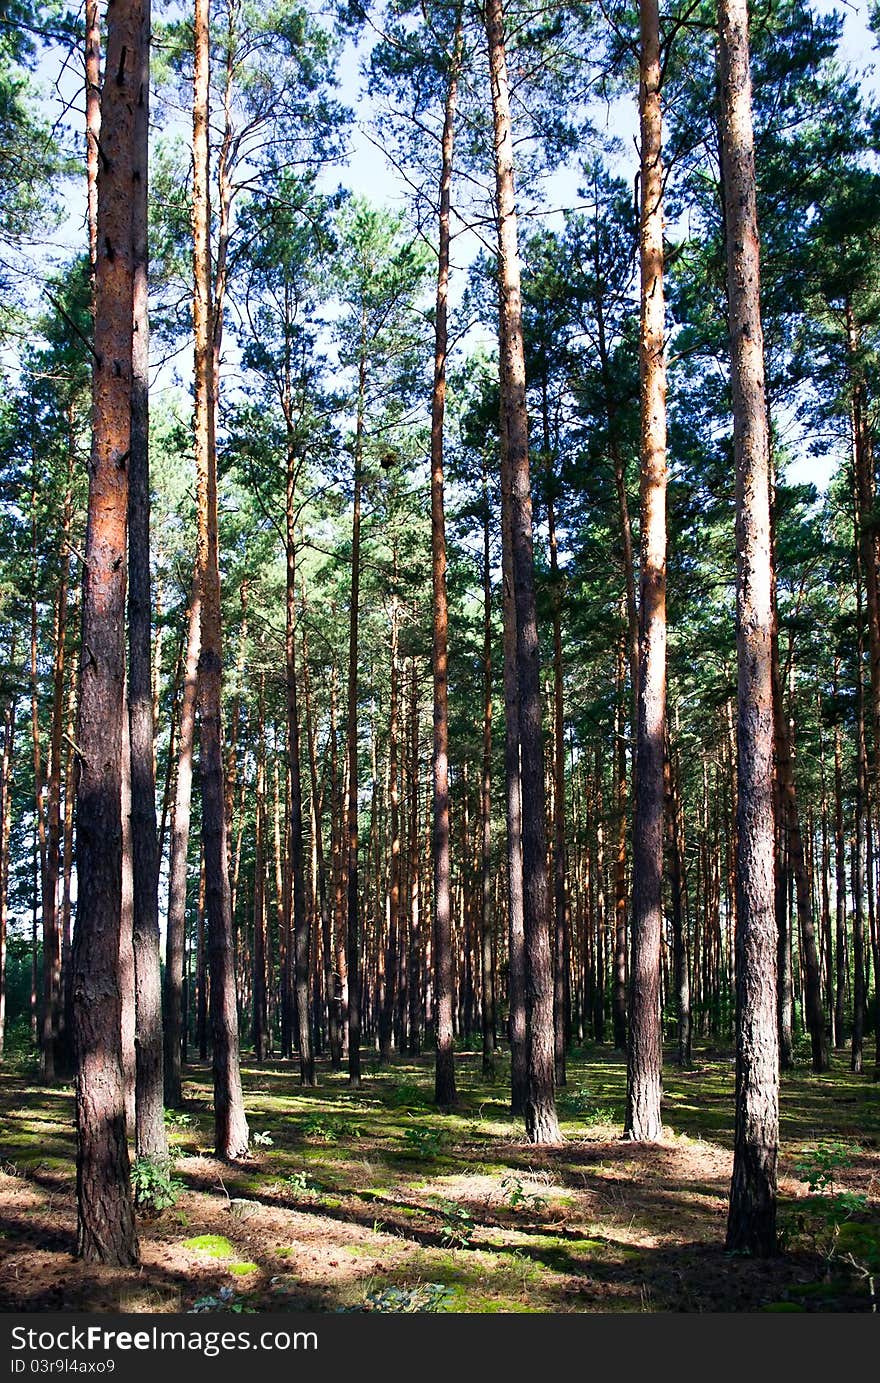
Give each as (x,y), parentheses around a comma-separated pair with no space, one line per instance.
(150,1137)
(488,996)
(93,129)
(105,1217)
(645,1052)
(52,1005)
(175,939)
(618,1002)
(353,940)
(230,1123)
(561,997)
(5,827)
(857,853)
(386,1018)
(540,1112)
(679,921)
(334,1025)
(416,1011)
(300,928)
(444,1068)
(260,1012)
(751,1225)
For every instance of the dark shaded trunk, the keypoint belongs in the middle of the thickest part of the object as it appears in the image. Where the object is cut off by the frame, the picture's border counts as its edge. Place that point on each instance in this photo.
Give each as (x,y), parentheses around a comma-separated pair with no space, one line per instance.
(105,1218)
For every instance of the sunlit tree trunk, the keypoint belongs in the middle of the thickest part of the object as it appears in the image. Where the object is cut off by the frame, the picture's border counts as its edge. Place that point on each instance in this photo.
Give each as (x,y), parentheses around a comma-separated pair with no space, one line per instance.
(488,997)
(230,1124)
(540,1111)
(5,827)
(645,1052)
(751,1225)
(175,937)
(444,1068)
(150,1137)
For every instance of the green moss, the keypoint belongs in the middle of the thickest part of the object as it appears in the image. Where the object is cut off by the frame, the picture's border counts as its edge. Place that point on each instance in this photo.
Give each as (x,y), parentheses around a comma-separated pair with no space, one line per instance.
(242,1269)
(214,1245)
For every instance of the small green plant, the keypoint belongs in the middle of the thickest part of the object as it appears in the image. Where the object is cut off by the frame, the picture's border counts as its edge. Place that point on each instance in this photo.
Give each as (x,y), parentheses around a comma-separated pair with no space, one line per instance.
(324,1128)
(301,1183)
(424,1140)
(423,1296)
(517,1196)
(177,1118)
(817,1166)
(153,1187)
(262,1140)
(584,1106)
(405,1094)
(457,1228)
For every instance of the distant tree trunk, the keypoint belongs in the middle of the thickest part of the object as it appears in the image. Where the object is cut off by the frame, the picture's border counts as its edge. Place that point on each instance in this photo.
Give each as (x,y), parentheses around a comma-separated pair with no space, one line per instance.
(93,128)
(679,921)
(867,541)
(618,1000)
(857,852)
(815,1017)
(230,1124)
(353,940)
(416,1013)
(334,1026)
(150,1137)
(5,826)
(645,1052)
(562,921)
(52,1016)
(600,966)
(67,876)
(105,1217)
(260,1015)
(300,928)
(513,809)
(126,939)
(540,1112)
(751,1225)
(386,1017)
(488,985)
(175,940)
(444,1069)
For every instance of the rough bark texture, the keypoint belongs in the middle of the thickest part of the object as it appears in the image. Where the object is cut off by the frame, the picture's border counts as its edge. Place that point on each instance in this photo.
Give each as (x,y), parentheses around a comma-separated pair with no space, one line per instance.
(105,1217)
(540,1113)
(444,1070)
(644,1058)
(751,1225)
(230,1124)
(150,1137)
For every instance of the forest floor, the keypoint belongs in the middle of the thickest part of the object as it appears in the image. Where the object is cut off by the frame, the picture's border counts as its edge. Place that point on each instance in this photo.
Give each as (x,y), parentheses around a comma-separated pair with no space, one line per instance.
(371,1199)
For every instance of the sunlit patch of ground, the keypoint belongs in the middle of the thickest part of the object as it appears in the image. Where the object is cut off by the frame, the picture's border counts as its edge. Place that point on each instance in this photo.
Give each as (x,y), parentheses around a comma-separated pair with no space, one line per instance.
(371,1196)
